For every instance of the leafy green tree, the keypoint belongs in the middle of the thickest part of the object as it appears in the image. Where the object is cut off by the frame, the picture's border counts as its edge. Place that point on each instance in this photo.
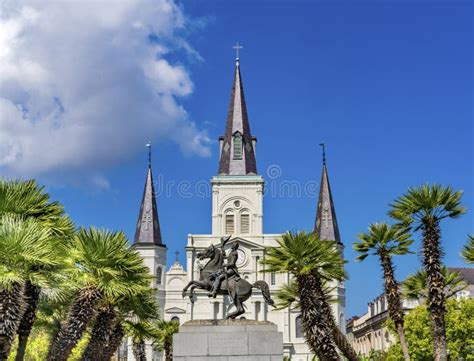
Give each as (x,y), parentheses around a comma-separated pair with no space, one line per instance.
(416,285)
(424,207)
(468,250)
(459,331)
(24,245)
(26,199)
(105,267)
(312,262)
(164,337)
(385,241)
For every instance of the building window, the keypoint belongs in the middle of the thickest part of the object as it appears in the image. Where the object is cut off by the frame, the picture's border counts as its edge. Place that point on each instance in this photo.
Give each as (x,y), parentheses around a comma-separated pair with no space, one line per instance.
(273,278)
(175,319)
(299,327)
(245,223)
(229,224)
(237,146)
(159,274)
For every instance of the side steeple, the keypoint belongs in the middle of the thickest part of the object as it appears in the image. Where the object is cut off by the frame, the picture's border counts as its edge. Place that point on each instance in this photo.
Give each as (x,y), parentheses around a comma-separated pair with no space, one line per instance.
(148,225)
(326,222)
(237,146)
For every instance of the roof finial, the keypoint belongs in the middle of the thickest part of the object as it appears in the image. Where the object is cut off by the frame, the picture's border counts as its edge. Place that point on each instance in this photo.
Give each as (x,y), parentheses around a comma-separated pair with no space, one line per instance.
(237,47)
(177,256)
(148,145)
(322,145)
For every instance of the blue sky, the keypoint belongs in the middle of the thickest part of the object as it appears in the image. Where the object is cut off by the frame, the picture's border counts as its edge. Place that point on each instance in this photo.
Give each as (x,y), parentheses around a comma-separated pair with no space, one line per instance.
(387,85)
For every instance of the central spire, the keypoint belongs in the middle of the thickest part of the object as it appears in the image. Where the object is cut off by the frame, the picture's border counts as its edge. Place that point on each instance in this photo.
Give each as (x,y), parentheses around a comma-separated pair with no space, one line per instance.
(237,153)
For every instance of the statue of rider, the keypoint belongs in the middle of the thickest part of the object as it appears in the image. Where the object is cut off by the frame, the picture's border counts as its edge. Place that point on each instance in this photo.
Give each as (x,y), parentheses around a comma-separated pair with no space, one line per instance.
(229,270)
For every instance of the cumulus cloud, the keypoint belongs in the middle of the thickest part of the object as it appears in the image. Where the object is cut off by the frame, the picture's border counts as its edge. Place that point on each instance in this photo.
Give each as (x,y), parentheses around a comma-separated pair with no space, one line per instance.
(84,83)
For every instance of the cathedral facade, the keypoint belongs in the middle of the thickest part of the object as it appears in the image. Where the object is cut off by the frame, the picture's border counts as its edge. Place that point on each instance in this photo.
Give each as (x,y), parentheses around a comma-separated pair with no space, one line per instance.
(237,209)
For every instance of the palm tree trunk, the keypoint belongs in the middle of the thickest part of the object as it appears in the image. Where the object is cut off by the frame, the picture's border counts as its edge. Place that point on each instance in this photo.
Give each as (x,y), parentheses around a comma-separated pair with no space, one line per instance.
(436,297)
(32,293)
(392,292)
(317,316)
(343,345)
(116,339)
(403,341)
(101,333)
(139,350)
(12,307)
(168,351)
(80,313)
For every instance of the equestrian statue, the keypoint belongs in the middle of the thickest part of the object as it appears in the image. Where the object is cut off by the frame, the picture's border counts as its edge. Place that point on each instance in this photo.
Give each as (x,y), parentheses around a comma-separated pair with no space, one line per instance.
(223,278)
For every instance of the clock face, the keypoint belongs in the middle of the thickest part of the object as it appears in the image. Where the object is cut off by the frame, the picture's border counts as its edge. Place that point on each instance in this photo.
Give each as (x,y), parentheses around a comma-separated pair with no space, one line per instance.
(242,259)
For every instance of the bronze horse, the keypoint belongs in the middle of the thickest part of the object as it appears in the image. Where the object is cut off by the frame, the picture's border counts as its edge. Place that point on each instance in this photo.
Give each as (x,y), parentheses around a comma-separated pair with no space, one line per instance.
(238,290)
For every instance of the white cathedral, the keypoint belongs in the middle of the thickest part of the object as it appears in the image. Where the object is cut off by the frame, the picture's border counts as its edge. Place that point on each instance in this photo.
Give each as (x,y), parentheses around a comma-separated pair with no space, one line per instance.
(237,209)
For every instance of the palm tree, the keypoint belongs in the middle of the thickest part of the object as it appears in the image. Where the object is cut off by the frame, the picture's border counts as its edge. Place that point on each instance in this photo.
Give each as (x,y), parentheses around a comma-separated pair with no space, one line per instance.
(312,262)
(23,244)
(287,296)
(141,306)
(385,241)
(423,208)
(164,337)
(116,339)
(468,250)
(27,199)
(415,286)
(139,332)
(101,333)
(105,267)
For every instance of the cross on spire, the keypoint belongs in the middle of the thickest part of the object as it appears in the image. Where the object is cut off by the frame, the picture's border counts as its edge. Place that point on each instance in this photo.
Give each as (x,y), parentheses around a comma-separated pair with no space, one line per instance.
(322,145)
(237,47)
(148,145)
(177,256)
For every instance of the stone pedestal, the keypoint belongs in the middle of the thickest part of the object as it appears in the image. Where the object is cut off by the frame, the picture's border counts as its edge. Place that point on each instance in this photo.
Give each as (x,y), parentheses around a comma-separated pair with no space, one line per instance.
(228,340)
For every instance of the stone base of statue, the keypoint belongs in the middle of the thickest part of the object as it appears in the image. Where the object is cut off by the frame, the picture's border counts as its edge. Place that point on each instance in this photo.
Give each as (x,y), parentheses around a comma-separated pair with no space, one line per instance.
(228,340)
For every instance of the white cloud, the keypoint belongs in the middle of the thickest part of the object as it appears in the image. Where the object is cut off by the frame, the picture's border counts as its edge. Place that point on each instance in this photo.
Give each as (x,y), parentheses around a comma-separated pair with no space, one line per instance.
(82,86)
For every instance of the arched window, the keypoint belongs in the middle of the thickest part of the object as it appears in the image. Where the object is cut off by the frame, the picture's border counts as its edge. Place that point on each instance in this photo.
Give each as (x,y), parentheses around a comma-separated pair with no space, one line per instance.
(342,323)
(175,319)
(159,275)
(245,223)
(299,327)
(237,146)
(229,223)
(273,278)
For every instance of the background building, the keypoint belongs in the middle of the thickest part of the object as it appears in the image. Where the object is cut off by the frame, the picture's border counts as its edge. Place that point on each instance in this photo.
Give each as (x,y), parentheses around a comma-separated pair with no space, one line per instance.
(237,209)
(369,332)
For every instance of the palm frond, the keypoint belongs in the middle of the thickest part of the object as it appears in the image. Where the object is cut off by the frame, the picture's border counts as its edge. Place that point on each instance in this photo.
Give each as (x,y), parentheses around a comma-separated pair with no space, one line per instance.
(416,285)
(287,295)
(427,202)
(105,260)
(383,237)
(29,200)
(27,249)
(468,250)
(302,253)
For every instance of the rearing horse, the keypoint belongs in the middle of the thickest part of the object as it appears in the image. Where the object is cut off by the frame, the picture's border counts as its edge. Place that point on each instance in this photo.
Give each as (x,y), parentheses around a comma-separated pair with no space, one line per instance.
(239,290)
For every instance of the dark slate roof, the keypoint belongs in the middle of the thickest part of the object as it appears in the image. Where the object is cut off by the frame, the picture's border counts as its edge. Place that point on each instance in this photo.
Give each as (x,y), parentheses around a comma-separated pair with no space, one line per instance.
(466,273)
(148,225)
(326,222)
(237,121)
